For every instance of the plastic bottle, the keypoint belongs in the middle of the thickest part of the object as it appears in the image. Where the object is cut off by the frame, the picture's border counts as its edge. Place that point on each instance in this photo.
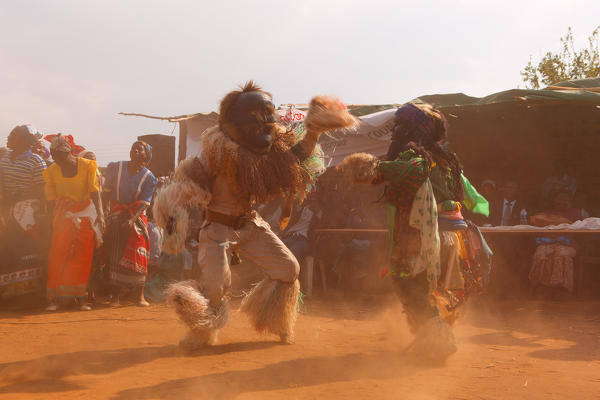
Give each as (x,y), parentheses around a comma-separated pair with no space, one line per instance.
(523,217)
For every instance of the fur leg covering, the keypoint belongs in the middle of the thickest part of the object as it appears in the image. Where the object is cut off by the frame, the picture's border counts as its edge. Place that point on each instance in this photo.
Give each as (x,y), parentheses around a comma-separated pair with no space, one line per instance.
(195,311)
(272,306)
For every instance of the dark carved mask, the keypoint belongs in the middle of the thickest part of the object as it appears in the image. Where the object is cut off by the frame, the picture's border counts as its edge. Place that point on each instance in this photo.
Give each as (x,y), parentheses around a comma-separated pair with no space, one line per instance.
(251,121)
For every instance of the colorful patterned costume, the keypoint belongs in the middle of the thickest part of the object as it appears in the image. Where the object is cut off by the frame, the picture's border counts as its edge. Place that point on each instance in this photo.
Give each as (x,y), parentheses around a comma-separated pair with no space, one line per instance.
(436,257)
(433,272)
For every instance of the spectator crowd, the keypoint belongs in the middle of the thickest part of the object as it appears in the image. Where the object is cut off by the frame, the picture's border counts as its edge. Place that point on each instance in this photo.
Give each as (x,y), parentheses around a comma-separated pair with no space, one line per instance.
(69,231)
(78,236)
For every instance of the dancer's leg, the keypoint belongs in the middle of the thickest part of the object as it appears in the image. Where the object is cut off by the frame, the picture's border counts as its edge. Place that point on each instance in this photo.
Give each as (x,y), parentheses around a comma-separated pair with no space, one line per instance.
(272,304)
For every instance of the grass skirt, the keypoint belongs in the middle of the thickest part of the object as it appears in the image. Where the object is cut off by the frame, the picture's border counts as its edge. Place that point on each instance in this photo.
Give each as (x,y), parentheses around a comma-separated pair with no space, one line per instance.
(272,306)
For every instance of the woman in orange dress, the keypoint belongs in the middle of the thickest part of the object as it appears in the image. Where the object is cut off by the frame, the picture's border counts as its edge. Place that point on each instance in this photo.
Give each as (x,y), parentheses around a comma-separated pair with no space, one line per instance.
(72,189)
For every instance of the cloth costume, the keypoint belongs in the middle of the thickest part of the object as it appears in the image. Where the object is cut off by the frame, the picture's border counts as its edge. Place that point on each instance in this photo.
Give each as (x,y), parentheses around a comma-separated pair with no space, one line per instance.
(212,180)
(437,258)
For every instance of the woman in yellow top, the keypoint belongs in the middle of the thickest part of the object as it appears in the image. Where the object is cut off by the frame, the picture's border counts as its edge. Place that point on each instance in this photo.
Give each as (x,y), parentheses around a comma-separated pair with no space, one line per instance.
(72,190)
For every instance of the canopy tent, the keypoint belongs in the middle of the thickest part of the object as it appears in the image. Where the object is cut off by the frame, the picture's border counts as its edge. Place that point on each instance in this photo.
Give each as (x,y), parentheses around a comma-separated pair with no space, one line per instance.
(516,133)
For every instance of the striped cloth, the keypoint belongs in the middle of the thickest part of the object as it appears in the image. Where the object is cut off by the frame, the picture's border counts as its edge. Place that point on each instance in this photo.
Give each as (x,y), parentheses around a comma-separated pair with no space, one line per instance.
(22,176)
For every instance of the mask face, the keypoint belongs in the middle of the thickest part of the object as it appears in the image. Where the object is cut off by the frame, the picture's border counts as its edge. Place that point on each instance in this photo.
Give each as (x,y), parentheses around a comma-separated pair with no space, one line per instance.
(252,119)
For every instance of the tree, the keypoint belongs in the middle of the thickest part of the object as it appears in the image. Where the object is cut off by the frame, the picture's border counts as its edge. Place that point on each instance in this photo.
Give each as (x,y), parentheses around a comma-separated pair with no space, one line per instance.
(565,65)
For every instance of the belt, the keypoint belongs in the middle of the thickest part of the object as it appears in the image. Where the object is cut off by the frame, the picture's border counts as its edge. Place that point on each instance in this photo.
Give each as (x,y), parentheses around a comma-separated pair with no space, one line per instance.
(233,221)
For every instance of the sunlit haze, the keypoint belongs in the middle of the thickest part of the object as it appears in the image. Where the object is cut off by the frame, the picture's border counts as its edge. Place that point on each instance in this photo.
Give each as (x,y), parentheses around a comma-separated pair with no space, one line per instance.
(71,66)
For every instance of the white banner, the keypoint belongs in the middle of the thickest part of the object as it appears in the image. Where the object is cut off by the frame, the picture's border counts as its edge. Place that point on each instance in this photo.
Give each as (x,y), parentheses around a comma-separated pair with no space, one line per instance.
(372,135)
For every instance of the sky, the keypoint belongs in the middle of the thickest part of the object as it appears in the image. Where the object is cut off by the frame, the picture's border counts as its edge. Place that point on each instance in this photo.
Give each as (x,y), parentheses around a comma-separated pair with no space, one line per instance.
(72,66)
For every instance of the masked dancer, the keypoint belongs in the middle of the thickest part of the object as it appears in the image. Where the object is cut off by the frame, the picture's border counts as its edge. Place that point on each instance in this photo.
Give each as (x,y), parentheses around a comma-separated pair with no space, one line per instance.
(245,161)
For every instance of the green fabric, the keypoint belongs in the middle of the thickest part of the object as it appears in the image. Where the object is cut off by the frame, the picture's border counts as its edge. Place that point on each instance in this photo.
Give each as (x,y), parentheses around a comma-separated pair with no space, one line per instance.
(404,176)
(409,190)
(391,222)
(474,201)
(448,205)
(443,184)
(315,163)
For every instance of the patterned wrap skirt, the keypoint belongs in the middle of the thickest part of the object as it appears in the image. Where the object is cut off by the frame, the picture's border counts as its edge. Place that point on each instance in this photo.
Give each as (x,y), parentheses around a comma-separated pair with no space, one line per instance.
(127,246)
(71,251)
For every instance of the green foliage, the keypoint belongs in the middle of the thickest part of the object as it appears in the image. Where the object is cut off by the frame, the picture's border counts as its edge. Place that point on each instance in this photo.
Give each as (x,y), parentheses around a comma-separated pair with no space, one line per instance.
(568,64)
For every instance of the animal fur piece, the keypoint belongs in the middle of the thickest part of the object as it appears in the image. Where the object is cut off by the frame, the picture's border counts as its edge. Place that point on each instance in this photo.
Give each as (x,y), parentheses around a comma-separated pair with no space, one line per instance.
(326,113)
(272,306)
(359,167)
(170,210)
(195,311)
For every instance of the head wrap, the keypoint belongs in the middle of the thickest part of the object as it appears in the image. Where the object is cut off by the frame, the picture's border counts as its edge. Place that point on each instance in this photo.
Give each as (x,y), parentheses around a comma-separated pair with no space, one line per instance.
(64,143)
(148,149)
(417,117)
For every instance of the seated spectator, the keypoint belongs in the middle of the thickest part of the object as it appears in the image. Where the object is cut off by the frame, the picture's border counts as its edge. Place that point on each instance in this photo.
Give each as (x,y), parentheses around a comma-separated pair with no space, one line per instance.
(295,236)
(561,179)
(354,255)
(553,261)
(488,189)
(562,211)
(505,210)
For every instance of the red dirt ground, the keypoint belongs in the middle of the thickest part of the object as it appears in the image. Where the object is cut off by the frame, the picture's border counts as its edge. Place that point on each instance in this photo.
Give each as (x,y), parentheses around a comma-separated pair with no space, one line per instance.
(508,350)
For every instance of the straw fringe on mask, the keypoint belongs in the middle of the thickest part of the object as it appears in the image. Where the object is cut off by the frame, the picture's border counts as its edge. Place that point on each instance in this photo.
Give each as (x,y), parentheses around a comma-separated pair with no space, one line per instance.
(272,306)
